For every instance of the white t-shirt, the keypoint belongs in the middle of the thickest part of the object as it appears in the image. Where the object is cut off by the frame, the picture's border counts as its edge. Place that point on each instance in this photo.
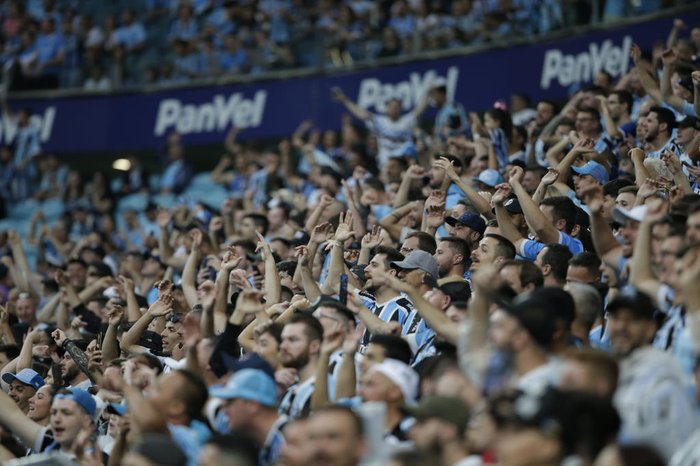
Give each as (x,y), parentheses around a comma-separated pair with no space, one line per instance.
(391,135)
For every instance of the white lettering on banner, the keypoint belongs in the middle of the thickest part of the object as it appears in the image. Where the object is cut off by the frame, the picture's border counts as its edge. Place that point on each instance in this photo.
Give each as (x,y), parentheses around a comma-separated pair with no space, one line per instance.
(570,69)
(374,93)
(8,125)
(216,115)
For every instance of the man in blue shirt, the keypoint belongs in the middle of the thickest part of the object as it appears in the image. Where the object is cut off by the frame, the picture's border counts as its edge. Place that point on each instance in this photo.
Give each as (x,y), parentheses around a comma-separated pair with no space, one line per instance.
(251,406)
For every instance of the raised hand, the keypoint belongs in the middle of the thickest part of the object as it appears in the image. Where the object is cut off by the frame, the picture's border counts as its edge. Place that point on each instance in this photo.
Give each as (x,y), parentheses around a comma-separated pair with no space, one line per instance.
(594,199)
(302,255)
(196,235)
(59,337)
(320,233)
(263,246)
(584,145)
(550,177)
(447,165)
(635,53)
(669,57)
(415,172)
(671,161)
(231,259)
(656,211)
(344,231)
(337,94)
(162,306)
(436,216)
(695,75)
(515,175)
(216,224)
(435,198)
(115,315)
(502,193)
(126,284)
(333,338)
(239,278)
(165,287)
(77,323)
(164,218)
(373,238)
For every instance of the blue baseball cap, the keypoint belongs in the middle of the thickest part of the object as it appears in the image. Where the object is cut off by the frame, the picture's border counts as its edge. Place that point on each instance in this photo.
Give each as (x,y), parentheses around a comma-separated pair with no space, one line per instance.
(249,384)
(83,398)
(594,169)
(119,409)
(248,361)
(470,219)
(490,177)
(26,376)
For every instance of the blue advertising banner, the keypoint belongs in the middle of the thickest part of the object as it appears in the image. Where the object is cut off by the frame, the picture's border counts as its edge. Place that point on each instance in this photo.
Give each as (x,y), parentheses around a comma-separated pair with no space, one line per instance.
(267,109)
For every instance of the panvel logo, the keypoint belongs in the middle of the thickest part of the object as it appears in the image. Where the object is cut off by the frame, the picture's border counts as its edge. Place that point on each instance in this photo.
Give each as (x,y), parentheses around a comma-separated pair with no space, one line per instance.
(374,93)
(216,115)
(43,121)
(570,68)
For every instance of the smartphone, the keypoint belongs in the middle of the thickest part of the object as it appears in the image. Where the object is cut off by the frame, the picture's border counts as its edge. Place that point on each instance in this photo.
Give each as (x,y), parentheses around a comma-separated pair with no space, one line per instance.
(99,340)
(343,294)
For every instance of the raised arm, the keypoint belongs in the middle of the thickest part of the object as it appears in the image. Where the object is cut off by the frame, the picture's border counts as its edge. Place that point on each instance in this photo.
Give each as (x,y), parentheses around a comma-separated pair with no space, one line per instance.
(392,222)
(351,106)
(563,168)
(160,308)
(536,220)
(641,274)
(17,422)
(189,273)
(332,341)
(696,87)
(669,59)
(604,241)
(505,224)
(343,233)
(646,79)
(273,287)
(476,200)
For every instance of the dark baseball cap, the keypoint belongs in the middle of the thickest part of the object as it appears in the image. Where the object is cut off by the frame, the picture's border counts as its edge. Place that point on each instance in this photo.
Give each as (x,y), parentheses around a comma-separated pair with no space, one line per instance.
(533,313)
(690,122)
(469,219)
(445,408)
(512,205)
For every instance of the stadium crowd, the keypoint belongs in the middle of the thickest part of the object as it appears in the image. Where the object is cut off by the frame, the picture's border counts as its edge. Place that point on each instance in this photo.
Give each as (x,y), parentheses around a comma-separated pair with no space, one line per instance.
(514,288)
(102,45)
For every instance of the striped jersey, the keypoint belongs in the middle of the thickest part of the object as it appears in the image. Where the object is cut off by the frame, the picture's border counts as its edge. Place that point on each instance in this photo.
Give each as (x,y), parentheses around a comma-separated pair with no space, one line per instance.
(397,309)
(296,402)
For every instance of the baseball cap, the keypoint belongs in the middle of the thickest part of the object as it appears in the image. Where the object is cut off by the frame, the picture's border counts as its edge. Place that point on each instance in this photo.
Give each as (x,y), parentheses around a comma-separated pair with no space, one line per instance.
(83,398)
(446,408)
(533,313)
(569,416)
(689,122)
(250,360)
(634,300)
(400,374)
(490,177)
(421,260)
(593,169)
(26,376)
(471,219)
(117,408)
(249,384)
(407,149)
(512,205)
(637,214)
(160,449)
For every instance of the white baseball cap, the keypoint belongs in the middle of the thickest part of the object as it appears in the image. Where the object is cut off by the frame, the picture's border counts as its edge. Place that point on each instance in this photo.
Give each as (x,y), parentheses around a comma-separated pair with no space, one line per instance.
(400,374)
(637,214)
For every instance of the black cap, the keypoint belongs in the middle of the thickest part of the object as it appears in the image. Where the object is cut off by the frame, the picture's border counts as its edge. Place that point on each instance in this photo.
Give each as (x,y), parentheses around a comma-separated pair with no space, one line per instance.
(512,206)
(635,301)
(533,312)
(690,122)
(247,361)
